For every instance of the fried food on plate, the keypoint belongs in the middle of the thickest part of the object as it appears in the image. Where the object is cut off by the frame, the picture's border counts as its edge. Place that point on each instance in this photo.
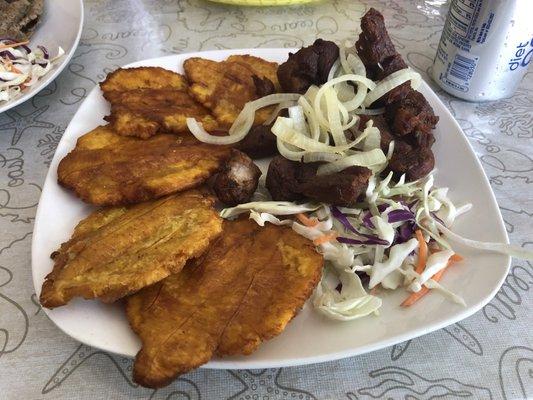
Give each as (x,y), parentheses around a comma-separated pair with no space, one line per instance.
(124,79)
(225,87)
(107,169)
(117,251)
(147,100)
(245,289)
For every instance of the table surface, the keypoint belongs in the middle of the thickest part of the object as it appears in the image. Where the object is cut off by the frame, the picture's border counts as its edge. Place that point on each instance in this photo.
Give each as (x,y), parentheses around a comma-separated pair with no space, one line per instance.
(487,356)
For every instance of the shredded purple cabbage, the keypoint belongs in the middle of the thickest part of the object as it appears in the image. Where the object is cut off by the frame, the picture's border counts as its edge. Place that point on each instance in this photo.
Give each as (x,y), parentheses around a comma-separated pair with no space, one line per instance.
(370,240)
(7,54)
(45,52)
(343,219)
(400,215)
(405,232)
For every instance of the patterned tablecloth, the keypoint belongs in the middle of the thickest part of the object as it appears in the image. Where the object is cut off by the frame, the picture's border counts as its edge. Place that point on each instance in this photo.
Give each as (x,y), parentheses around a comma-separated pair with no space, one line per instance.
(487,356)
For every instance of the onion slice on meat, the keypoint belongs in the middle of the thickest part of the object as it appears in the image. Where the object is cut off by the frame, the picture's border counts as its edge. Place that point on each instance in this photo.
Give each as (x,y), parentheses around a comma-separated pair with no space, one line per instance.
(363,159)
(244,121)
(390,82)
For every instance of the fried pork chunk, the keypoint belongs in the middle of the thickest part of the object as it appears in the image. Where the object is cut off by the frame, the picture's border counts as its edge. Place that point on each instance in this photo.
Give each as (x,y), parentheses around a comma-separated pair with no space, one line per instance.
(293,180)
(108,169)
(224,87)
(244,290)
(237,180)
(379,55)
(308,66)
(117,251)
(409,120)
(148,100)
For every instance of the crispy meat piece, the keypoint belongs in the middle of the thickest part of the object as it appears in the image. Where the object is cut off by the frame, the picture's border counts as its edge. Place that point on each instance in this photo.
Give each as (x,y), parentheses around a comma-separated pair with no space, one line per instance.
(342,188)
(412,113)
(117,251)
(374,44)
(283,179)
(263,86)
(148,100)
(411,158)
(388,66)
(409,119)
(415,163)
(292,180)
(107,169)
(245,290)
(260,142)
(237,180)
(379,55)
(225,87)
(308,66)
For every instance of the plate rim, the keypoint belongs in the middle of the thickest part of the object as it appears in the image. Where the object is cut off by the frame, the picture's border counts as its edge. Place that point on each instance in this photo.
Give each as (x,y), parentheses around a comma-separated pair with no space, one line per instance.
(48,79)
(331,356)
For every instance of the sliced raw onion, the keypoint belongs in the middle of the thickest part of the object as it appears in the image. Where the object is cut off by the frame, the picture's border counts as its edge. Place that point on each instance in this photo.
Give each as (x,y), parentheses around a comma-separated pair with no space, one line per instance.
(277,110)
(317,101)
(202,135)
(244,121)
(356,64)
(335,126)
(283,129)
(320,156)
(362,159)
(370,111)
(290,152)
(390,82)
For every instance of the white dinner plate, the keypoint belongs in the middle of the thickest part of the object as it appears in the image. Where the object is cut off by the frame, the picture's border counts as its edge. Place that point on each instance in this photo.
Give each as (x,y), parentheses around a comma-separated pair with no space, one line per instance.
(310,337)
(60,25)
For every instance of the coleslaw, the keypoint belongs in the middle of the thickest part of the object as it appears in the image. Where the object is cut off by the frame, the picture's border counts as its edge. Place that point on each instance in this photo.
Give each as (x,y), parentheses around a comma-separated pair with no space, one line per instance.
(22,67)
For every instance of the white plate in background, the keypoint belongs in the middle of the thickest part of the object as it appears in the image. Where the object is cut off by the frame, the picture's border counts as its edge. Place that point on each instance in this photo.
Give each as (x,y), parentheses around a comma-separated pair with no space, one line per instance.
(60,25)
(310,337)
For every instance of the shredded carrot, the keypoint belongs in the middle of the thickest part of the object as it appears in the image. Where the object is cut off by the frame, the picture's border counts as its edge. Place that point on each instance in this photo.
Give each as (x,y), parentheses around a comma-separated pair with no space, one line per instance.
(304,219)
(414,297)
(328,237)
(15,69)
(422,252)
(455,258)
(7,46)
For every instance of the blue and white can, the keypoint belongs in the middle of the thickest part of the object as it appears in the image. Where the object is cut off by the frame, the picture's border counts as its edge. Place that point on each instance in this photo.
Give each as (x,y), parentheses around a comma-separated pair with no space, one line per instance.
(485,48)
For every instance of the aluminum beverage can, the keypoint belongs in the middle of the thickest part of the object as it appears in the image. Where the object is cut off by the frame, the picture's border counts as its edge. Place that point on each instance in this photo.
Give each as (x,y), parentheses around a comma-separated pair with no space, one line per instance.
(485,48)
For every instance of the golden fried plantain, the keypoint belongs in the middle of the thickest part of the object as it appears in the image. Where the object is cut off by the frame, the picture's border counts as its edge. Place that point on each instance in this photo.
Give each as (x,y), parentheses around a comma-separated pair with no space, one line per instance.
(225,87)
(245,289)
(117,251)
(108,169)
(144,112)
(148,100)
(124,79)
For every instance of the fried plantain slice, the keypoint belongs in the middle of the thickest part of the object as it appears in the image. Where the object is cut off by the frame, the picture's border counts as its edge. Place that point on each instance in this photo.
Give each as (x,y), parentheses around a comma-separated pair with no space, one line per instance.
(148,100)
(124,79)
(245,289)
(107,169)
(144,112)
(117,251)
(225,87)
